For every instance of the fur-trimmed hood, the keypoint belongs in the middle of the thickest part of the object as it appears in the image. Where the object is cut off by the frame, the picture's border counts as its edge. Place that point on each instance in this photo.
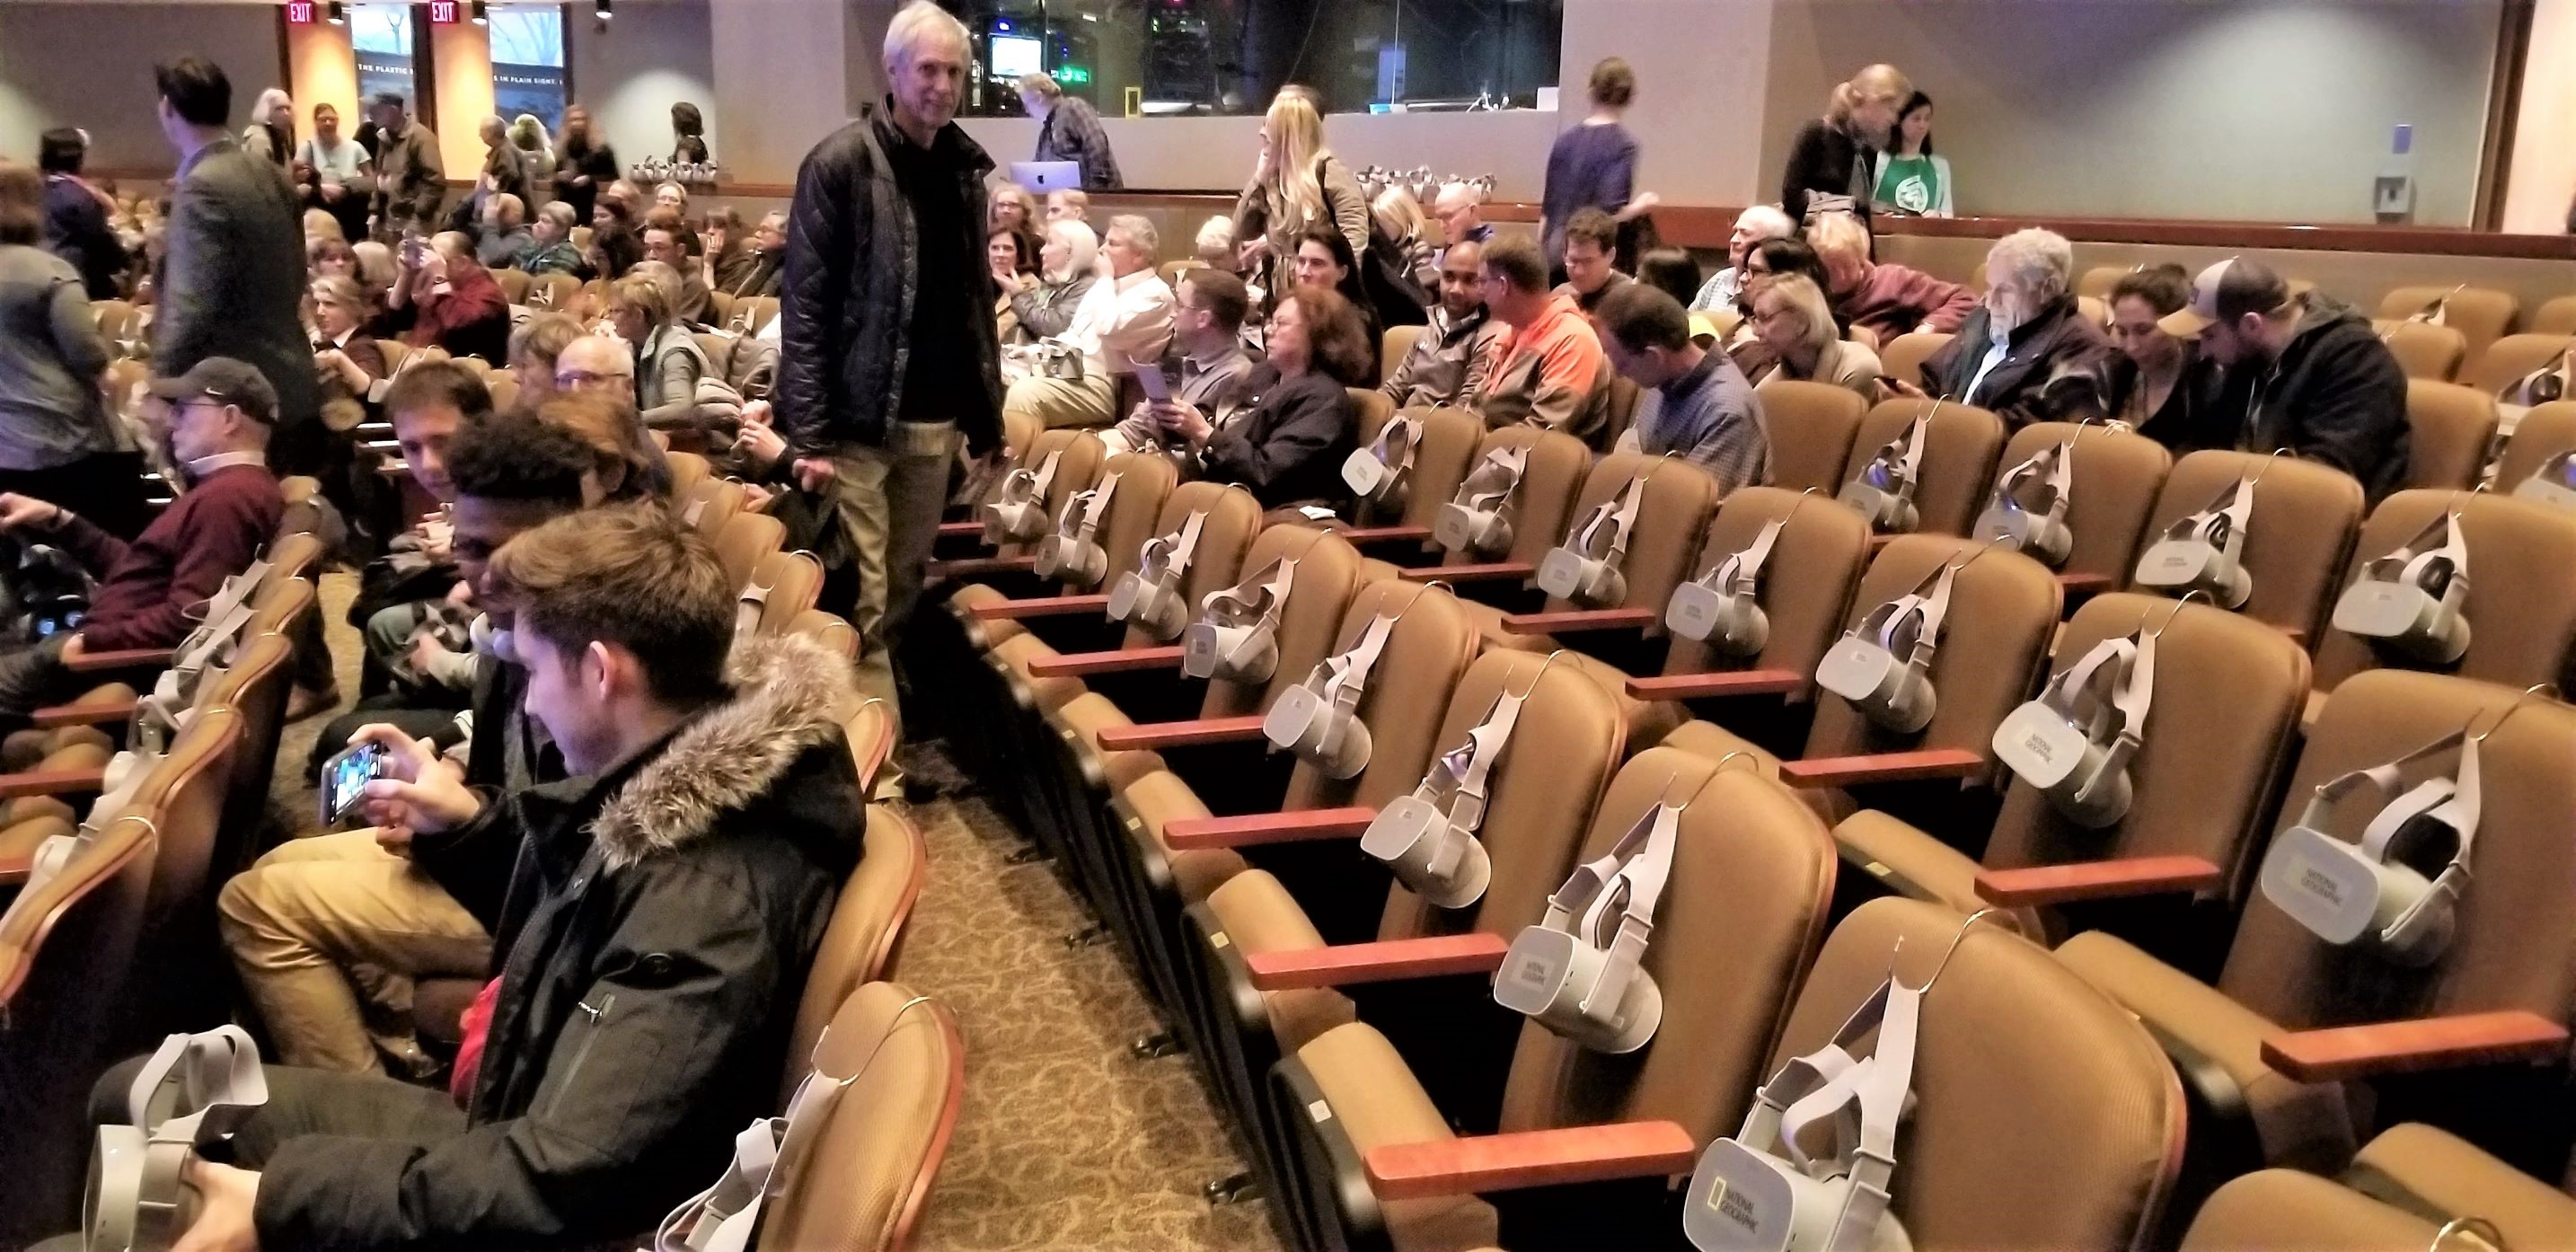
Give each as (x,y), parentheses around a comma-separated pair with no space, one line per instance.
(788,694)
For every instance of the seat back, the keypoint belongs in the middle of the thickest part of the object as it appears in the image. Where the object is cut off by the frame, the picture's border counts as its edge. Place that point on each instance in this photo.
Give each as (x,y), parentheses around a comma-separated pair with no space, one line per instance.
(2097,281)
(719,309)
(2511,359)
(553,290)
(2287,1210)
(1903,356)
(1444,453)
(1672,514)
(1135,510)
(1328,575)
(2481,314)
(2544,432)
(757,312)
(255,689)
(1752,874)
(1539,794)
(1076,470)
(1617,397)
(707,505)
(2451,427)
(828,629)
(2424,351)
(1374,408)
(744,541)
(2112,484)
(2521,606)
(688,469)
(865,932)
(1811,426)
(791,581)
(1233,522)
(1806,587)
(2003,612)
(1393,346)
(514,284)
(2228,694)
(1960,444)
(868,1170)
(2044,1116)
(188,789)
(2556,317)
(1426,652)
(2302,528)
(2514,945)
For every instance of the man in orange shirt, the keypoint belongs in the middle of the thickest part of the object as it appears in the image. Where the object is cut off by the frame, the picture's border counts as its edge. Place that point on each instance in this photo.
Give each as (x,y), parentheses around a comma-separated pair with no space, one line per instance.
(1552,365)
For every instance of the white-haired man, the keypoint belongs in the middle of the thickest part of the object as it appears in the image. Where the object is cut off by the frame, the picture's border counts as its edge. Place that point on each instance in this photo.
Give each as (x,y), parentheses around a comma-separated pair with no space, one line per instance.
(2027,353)
(1460,208)
(1125,317)
(891,354)
(1752,226)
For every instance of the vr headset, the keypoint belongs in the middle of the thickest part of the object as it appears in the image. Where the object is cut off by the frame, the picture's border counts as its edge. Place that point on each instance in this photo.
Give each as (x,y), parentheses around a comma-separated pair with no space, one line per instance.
(1578,972)
(1723,607)
(1236,638)
(1762,1191)
(1883,490)
(215,640)
(1570,571)
(2028,510)
(1073,555)
(1434,851)
(1318,719)
(2376,894)
(2555,381)
(2205,552)
(2438,313)
(1382,472)
(1883,665)
(1148,597)
(2076,740)
(1479,518)
(2554,484)
(1019,515)
(194,1092)
(2409,602)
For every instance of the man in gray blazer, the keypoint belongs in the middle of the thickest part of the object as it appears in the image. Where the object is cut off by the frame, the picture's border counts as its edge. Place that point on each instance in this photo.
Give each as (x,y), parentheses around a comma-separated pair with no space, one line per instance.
(233,265)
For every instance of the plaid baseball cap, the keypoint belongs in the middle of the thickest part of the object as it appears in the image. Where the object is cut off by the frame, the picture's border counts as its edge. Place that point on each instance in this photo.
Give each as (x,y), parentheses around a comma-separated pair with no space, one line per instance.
(2224,292)
(224,379)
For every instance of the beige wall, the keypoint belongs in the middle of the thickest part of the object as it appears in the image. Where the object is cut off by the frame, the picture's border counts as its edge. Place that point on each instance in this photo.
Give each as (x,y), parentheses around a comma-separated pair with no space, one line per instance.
(89,66)
(462,55)
(322,69)
(651,56)
(2543,178)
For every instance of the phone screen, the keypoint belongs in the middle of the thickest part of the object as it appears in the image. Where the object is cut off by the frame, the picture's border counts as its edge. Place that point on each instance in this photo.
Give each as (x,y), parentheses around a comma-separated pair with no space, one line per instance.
(345,778)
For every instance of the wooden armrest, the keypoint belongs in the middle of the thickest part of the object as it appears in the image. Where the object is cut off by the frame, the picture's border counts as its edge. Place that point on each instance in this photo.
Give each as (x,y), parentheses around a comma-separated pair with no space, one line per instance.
(1882,767)
(1156,736)
(1474,1164)
(2341,1053)
(15,869)
(1195,833)
(1493,572)
(1041,606)
(99,714)
(2084,582)
(1384,534)
(953,530)
(1121,661)
(50,782)
(119,658)
(978,566)
(1742,682)
(1569,620)
(1387,960)
(2096,880)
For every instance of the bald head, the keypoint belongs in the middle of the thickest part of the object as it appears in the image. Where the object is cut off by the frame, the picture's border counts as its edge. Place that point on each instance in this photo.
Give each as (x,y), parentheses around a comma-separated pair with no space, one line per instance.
(453,248)
(1460,207)
(596,364)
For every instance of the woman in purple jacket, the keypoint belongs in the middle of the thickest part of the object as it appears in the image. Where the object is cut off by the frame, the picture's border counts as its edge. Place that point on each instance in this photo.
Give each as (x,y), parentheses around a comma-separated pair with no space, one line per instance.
(1594,165)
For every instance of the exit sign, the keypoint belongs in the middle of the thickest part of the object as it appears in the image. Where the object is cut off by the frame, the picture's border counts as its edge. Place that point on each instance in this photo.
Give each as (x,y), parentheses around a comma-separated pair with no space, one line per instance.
(1074,74)
(444,12)
(300,12)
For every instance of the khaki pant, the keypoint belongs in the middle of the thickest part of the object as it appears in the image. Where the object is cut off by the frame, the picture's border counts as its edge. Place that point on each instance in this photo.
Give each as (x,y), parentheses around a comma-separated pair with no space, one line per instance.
(1085,401)
(319,917)
(889,500)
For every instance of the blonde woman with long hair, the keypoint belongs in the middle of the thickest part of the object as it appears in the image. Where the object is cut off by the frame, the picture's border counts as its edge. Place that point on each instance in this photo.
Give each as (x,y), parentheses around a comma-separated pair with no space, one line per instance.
(1834,154)
(1297,184)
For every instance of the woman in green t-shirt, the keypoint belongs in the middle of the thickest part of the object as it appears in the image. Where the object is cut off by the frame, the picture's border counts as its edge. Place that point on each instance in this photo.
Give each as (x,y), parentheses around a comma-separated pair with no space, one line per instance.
(1910,180)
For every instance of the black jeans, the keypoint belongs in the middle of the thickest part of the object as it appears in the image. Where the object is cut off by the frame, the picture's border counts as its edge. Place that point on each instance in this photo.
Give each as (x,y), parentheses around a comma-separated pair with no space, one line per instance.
(309,1102)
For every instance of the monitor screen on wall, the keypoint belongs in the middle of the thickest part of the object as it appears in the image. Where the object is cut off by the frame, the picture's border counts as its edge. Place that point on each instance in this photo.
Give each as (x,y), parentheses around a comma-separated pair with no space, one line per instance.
(1015,55)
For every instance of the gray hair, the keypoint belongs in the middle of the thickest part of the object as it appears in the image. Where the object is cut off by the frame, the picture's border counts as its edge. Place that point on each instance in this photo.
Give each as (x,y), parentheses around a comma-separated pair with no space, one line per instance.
(1140,233)
(2042,259)
(775,215)
(918,23)
(563,215)
(1216,235)
(1468,192)
(663,277)
(1768,221)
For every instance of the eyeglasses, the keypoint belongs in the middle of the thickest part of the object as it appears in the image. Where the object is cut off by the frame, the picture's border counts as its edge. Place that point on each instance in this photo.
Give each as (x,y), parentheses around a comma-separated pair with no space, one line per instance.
(569,379)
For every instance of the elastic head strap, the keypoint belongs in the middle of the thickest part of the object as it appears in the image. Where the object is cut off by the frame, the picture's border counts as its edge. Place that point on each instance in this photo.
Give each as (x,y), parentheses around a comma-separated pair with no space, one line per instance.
(1257,598)
(1167,557)
(2221,525)
(1495,478)
(1634,888)
(2053,467)
(1346,675)
(1395,445)
(2416,562)
(1470,764)
(1739,573)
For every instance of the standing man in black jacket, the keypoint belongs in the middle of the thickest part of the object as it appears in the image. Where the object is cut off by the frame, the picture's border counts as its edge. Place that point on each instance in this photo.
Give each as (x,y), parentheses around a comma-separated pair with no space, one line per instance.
(889,352)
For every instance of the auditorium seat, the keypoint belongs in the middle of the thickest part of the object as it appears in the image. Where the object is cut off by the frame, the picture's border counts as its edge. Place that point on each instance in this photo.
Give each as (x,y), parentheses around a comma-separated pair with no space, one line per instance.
(782,588)
(2097,281)
(2481,314)
(828,629)
(1903,356)
(2509,360)
(1537,473)
(2113,477)
(2520,606)
(1428,455)
(743,541)
(2557,317)
(1641,517)
(866,929)
(2298,531)
(2451,427)
(1957,462)
(1811,426)
(2424,350)
(2542,440)
(514,284)
(866,1173)
(707,505)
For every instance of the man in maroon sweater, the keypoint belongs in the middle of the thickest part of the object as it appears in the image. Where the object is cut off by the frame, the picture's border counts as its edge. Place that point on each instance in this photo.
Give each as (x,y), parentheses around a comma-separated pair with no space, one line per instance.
(1888,300)
(217,423)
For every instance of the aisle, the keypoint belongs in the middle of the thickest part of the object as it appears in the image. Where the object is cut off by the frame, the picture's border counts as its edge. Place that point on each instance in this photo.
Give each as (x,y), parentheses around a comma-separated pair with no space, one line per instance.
(1067,1141)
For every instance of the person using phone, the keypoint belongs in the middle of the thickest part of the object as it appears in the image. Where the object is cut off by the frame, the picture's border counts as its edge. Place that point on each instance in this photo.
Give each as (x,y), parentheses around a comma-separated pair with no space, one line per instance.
(1206,368)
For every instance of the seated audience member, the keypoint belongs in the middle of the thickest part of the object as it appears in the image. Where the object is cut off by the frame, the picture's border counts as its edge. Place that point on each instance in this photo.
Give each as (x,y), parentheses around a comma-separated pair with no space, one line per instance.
(1552,364)
(549,248)
(671,195)
(533,349)
(2168,382)
(1015,210)
(1460,209)
(332,258)
(76,226)
(1214,373)
(1324,259)
(402,597)
(617,204)
(1752,226)
(1885,300)
(666,237)
(599,406)
(1671,271)
(1287,443)
(451,302)
(1002,259)
(1404,239)
(1461,350)
(1066,204)
(1045,305)
(320,226)
(216,426)
(347,358)
(505,231)
(613,250)
(1795,326)
(713,813)
(1591,241)
(1126,317)
(2303,372)
(1693,403)
(2028,353)
(752,267)
(1214,246)
(668,361)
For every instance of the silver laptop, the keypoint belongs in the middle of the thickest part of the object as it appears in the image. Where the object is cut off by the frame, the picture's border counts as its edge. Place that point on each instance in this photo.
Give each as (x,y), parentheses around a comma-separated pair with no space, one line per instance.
(1041,177)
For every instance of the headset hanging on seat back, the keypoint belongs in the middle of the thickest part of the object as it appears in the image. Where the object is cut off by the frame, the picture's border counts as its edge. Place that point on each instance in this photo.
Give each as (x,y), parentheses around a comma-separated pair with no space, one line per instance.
(1571,571)
(1149,597)
(2074,743)
(2037,532)
(2205,551)
(1478,519)
(1723,607)
(1883,489)
(1580,971)
(1382,472)
(1020,514)
(1318,719)
(1236,638)
(2375,894)
(1434,851)
(2411,601)
(1073,554)
(1883,665)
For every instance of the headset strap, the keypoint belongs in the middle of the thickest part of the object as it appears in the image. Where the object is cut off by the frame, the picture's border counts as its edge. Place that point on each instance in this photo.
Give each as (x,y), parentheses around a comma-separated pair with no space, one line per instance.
(2129,663)
(1082,512)
(1345,675)
(1025,484)
(2414,561)
(1496,477)
(2458,793)
(2052,467)
(1173,551)
(748,607)
(1629,877)
(1257,598)
(1409,429)
(2221,525)
(1928,604)
(1739,573)
(1620,514)
(1470,764)
(1907,453)
(2523,390)
(201,1072)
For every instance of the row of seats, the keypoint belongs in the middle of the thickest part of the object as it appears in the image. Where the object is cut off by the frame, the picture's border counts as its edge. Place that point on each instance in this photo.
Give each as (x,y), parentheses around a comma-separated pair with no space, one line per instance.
(1343,1021)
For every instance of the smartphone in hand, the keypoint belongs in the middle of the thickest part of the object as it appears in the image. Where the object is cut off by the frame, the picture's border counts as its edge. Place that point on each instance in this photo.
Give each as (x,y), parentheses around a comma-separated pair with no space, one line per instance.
(345,777)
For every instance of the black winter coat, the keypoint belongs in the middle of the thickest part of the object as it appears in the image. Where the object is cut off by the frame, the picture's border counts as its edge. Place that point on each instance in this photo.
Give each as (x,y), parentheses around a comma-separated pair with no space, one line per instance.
(2057,367)
(1288,442)
(2336,395)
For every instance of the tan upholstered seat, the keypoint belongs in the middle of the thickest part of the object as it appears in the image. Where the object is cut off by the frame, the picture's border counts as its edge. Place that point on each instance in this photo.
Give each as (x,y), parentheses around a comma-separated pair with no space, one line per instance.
(708,505)
(688,469)
(2286,1210)
(2439,1176)
(789,583)
(2481,314)
(1672,511)
(1805,589)
(757,311)
(1374,408)
(2521,606)
(2451,426)
(1960,444)
(833,632)
(2296,540)
(514,284)
(1903,356)
(2511,949)
(1811,426)
(2097,281)
(1543,500)
(743,541)
(865,932)
(1447,441)
(867,1173)
(2509,360)
(2557,317)
(1393,346)
(2114,477)
(2426,352)
(2547,431)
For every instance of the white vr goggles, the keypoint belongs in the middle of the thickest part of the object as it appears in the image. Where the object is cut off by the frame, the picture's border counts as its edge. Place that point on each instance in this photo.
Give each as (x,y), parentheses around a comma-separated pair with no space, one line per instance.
(2028,510)
(1318,719)
(1763,1191)
(2409,602)
(1571,572)
(195,1091)
(1148,597)
(215,640)
(1883,665)
(2376,893)
(1883,490)
(2076,740)
(1382,473)
(1019,515)
(2205,551)
(1434,851)
(1723,607)
(2554,484)
(1236,638)
(1073,555)
(1479,518)
(1578,972)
